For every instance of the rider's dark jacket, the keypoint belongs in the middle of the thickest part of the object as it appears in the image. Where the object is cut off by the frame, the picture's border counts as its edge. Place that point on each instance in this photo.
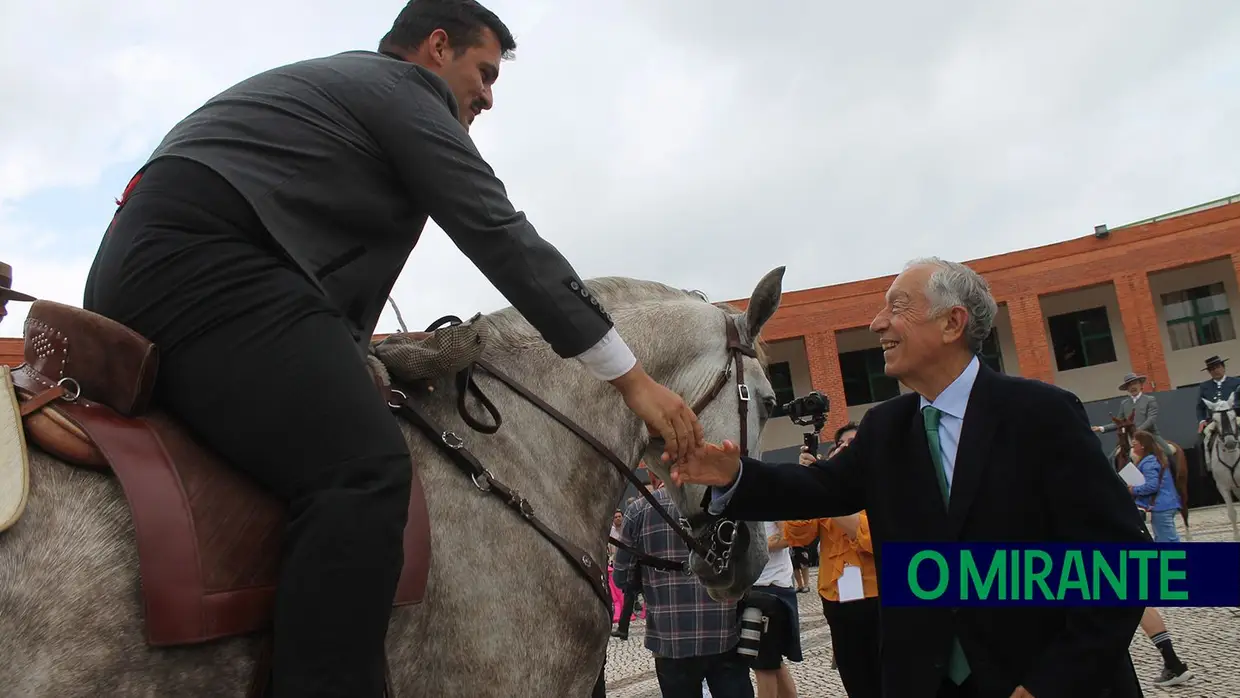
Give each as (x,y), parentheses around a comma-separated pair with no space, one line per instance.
(345,157)
(1215,391)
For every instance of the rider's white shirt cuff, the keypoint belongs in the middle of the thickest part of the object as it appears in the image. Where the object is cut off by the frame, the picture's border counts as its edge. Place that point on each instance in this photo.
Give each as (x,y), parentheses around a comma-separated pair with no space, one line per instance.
(610,358)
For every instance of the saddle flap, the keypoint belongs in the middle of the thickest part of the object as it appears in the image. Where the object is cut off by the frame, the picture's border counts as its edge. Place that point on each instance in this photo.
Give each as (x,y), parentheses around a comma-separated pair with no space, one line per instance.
(111,363)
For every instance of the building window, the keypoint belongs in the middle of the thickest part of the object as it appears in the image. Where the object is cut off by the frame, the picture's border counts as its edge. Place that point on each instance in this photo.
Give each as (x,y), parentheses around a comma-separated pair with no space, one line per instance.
(780,375)
(1082,338)
(864,380)
(1198,316)
(990,354)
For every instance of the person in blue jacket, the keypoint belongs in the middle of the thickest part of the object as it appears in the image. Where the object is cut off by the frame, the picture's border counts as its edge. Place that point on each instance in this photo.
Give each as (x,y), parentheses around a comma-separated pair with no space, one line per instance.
(1157,497)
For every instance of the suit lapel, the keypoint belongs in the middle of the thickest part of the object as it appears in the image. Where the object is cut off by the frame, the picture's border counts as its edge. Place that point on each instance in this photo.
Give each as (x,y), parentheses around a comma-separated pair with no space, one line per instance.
(972,456)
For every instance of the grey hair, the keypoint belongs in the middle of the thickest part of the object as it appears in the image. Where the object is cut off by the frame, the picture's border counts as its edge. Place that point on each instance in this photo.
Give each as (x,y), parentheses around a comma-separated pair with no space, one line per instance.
(953,284)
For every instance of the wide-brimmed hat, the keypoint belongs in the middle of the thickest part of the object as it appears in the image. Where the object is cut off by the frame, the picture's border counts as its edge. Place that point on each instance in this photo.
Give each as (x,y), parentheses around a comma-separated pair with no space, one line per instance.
(1131,378)
(1214,361)
(6,283)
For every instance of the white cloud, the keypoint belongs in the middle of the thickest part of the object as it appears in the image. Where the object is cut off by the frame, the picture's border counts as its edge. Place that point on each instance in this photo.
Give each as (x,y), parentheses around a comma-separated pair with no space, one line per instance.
(696,142)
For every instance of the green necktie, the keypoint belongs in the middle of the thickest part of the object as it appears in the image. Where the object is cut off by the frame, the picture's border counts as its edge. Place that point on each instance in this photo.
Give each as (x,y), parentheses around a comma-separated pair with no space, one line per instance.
(957,665)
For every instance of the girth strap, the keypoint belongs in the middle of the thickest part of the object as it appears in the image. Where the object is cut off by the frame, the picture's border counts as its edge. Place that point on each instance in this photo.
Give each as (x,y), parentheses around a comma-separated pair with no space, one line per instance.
(454,447)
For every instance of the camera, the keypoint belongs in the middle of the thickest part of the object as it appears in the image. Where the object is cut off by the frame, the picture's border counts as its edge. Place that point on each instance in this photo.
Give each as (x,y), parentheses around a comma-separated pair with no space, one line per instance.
(753,624)
(811,409)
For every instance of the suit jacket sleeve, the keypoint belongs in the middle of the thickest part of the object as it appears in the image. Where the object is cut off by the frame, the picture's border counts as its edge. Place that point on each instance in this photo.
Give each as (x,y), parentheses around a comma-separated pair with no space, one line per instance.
(1151,414)
(1095,508)
(1202,414)
(444,174)
(789,491)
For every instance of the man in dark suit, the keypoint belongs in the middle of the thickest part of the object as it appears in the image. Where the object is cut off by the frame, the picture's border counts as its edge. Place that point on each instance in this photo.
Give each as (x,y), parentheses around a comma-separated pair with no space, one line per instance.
(1018,462)
(257,247)
(1217,389)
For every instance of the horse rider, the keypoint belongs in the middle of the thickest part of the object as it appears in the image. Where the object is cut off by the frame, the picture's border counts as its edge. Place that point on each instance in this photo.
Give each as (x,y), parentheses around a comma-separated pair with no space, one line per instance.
(6,290)
(1217,389)
(256,248)
(1142,408)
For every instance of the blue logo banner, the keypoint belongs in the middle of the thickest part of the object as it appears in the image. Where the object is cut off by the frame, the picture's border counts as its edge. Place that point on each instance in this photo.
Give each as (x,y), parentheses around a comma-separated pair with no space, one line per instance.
(1060,574)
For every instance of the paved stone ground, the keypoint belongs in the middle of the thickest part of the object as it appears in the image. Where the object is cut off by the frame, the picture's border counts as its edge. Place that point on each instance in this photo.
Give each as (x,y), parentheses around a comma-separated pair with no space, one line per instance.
(1208,639)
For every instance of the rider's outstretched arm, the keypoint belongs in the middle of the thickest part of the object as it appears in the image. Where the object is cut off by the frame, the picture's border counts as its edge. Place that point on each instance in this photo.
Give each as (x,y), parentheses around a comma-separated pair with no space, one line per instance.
(446,176)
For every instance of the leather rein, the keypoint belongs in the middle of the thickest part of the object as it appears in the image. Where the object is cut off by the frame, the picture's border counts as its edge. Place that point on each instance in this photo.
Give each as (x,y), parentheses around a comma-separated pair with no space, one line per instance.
(715,546)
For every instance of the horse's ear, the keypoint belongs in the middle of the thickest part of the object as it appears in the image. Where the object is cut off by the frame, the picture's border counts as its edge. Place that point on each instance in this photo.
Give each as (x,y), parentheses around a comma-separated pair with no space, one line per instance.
(764,302)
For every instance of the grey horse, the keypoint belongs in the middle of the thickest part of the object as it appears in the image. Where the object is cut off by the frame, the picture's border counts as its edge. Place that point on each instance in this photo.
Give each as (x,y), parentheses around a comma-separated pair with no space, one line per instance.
(1222,441)
(504,615)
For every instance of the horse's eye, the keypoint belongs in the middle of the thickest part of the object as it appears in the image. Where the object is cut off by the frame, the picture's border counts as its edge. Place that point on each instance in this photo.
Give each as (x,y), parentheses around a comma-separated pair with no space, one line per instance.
(768,405)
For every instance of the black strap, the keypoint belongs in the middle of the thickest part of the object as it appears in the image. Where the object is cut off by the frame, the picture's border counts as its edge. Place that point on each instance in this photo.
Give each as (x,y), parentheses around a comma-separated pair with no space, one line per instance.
(454,447)
(647,560)
(694,545)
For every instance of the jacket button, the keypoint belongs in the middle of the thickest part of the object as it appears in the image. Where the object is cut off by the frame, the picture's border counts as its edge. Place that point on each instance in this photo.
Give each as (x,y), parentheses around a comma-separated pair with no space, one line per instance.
(585,293)
(574,285)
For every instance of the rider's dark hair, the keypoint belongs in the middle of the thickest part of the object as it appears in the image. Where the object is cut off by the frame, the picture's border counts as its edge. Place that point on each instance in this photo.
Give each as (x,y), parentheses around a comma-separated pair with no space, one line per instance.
(461,20)
(851,426)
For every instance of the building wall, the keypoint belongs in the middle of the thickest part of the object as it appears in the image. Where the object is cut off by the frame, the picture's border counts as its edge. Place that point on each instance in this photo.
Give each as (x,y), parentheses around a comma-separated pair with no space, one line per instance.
(1185,366)
(781,431)
(1091,382)
(1126,270)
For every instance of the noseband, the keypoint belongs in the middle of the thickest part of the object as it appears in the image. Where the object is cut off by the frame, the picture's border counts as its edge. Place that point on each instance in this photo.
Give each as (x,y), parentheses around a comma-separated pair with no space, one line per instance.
(714,546)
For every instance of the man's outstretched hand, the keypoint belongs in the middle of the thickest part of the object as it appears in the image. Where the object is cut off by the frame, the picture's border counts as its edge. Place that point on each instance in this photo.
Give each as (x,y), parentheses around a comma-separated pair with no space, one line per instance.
(708,465)
(663,411)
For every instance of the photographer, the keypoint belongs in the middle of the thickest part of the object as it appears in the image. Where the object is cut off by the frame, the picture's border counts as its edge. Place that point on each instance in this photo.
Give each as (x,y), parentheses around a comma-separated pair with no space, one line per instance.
(849,596)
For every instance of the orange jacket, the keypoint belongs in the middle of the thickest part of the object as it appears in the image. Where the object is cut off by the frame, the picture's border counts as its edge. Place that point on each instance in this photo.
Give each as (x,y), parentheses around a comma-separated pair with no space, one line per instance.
(836,549)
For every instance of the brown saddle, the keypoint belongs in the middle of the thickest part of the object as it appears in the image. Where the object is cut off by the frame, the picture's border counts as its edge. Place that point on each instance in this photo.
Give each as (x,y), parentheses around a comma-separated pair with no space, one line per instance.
(208,537)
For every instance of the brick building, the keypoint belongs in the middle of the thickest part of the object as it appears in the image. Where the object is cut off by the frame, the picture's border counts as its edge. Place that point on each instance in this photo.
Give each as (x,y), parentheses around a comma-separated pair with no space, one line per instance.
(1153,297)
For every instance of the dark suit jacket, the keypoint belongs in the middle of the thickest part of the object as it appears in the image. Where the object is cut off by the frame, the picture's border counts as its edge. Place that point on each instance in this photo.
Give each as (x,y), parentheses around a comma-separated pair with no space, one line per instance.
(345,157)
(1214,392)
(1028,469)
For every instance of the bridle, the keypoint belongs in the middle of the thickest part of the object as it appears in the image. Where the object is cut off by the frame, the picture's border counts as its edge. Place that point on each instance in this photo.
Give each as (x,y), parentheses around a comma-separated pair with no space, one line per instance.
(1223,427)
(714,546)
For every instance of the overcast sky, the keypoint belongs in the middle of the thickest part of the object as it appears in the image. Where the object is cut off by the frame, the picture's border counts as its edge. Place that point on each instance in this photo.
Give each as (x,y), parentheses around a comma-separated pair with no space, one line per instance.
(700,143)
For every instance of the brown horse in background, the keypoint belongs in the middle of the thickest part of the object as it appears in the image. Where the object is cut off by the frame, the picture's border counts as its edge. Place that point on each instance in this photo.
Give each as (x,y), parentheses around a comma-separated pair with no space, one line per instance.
(1124,429)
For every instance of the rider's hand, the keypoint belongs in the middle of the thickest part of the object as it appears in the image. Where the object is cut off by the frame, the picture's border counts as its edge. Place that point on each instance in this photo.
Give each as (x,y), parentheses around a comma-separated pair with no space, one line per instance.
(1201,427)
(664,412)
(807,458)
(1097,430)
(708,465)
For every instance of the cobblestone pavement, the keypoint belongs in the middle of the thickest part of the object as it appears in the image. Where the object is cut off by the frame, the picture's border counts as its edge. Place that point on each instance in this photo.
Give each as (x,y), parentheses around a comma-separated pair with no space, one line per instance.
(1207,639)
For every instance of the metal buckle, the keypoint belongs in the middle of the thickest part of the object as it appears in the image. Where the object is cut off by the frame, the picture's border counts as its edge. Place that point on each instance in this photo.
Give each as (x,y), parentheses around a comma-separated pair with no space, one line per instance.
(743,391)
(730,527)
(403,398)
(485,485)
(451,440)
(73,390)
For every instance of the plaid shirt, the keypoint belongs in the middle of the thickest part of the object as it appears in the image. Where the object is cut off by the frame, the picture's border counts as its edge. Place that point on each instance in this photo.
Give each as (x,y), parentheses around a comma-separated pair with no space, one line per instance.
(681,618)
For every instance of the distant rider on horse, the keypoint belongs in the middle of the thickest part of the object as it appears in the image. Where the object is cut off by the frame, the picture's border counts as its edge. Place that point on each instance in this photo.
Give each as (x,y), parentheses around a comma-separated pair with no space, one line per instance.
(1218,388)
(1142,409)
(256,248)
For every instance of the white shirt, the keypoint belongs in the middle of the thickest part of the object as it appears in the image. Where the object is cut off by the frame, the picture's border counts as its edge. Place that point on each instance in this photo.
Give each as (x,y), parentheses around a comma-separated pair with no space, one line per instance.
(953,402)
(778,570)
(608,359)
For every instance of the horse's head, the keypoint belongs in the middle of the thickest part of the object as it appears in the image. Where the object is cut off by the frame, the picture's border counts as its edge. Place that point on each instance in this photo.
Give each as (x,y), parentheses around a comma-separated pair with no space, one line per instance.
(690,353)
(1223,422)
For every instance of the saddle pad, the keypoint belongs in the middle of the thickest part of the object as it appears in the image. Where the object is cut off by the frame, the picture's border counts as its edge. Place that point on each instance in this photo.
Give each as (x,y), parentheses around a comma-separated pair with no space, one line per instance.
(14,460)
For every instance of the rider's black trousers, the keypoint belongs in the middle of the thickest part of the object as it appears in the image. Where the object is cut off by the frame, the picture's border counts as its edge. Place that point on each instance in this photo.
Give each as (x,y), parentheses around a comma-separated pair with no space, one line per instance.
(259,365)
